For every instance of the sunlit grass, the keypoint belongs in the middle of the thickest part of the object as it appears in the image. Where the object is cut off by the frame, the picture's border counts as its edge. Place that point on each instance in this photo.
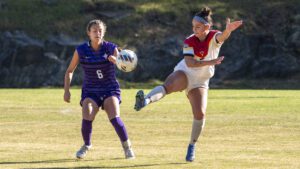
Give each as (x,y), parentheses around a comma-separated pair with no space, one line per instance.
(244,129)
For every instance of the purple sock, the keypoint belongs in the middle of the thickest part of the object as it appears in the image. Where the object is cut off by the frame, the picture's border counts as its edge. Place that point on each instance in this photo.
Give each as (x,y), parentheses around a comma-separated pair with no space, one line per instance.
(120,128)
(86,131)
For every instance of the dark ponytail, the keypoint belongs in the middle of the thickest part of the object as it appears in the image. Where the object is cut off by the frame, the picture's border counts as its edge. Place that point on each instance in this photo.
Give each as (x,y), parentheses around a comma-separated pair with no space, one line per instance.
(205,13)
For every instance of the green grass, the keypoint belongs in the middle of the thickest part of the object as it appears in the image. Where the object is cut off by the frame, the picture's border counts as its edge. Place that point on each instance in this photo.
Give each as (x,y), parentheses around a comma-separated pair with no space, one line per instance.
(244,129)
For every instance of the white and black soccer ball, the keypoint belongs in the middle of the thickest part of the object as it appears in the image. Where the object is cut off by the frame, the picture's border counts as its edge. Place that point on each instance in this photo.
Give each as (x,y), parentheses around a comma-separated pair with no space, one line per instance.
(126,60)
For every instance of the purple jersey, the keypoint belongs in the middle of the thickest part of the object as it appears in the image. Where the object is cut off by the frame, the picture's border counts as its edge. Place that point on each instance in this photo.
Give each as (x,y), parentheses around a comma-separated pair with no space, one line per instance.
(99,73)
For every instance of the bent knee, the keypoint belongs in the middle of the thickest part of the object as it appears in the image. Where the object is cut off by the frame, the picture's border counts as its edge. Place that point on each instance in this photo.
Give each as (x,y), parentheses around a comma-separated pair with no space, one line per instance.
(89,115)
(175,82)
(89,110)
(199,115)
(169,87)
(174,86)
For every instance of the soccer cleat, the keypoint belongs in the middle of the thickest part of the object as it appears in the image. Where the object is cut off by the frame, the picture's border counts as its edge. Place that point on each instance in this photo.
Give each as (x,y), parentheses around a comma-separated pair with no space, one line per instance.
(129,154)
(190,156)
(139,100)
(81,153)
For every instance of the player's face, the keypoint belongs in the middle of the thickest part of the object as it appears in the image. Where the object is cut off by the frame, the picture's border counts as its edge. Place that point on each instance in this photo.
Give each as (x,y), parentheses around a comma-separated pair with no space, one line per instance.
(200,30)
(95,33)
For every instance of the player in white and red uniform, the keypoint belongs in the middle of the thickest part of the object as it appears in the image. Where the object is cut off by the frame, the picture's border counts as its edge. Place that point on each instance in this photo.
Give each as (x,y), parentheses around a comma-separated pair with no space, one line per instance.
(206,50)
(192,73)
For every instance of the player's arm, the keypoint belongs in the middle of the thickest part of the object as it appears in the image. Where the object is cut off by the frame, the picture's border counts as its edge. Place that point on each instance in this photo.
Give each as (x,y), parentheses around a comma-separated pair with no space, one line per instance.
(113,58)
(191,62)
(69,75)
(188,53)
(229,28)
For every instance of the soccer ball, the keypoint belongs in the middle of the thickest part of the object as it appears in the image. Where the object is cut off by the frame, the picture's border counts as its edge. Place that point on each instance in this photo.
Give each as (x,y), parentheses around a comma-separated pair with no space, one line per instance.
(126,60)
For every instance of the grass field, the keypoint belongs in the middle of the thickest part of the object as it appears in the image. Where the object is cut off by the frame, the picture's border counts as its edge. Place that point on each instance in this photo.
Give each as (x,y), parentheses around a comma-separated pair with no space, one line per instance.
(244,129)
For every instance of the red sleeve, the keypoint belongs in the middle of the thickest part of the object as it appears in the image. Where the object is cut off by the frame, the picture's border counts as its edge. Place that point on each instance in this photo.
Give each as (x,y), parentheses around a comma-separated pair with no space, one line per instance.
(189,41)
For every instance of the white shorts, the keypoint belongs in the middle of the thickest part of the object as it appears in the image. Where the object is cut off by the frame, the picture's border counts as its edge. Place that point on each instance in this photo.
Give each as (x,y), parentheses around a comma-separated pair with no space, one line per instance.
(197,77)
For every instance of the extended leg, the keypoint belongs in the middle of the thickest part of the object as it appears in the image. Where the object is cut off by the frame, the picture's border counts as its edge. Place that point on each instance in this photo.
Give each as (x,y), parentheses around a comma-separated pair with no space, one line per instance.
(177,81)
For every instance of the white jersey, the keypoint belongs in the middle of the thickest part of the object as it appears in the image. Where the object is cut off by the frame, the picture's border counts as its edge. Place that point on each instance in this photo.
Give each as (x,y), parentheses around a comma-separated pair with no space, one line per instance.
(205,51)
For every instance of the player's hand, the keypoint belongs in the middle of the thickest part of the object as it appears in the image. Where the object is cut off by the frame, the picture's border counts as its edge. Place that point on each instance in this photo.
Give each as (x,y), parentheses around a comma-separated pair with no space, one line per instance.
(231,26)
(67,96)
(112,59)
(218,60)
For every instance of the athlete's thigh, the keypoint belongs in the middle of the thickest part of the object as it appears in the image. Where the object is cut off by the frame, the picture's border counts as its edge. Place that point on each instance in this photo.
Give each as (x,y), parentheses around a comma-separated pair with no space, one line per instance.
(112,107)
(89,109)
(198,101)
(176,81)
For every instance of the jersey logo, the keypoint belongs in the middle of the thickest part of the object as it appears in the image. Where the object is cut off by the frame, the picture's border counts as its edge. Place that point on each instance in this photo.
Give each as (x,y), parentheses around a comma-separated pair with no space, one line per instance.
(86,57)
(105,56)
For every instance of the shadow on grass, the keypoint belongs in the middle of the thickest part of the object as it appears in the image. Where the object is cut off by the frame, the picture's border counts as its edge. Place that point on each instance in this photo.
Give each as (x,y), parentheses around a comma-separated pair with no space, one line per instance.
(43,161)
(130,166)
(82,167)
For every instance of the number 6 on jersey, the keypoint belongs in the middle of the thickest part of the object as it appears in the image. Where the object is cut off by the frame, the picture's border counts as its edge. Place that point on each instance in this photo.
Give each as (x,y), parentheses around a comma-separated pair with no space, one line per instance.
(99,73)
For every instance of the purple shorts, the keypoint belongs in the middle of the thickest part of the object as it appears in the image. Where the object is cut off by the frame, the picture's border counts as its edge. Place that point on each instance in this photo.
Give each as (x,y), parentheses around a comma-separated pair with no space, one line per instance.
(99,97)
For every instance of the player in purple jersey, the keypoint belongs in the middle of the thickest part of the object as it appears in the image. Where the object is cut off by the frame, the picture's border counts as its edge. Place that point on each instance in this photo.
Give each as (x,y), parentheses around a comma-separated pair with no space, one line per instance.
(100,87)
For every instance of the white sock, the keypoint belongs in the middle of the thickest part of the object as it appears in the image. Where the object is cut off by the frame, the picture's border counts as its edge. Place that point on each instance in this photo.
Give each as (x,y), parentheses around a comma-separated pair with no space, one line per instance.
(126,144)
(198,126)
(156,94)
(147,101)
